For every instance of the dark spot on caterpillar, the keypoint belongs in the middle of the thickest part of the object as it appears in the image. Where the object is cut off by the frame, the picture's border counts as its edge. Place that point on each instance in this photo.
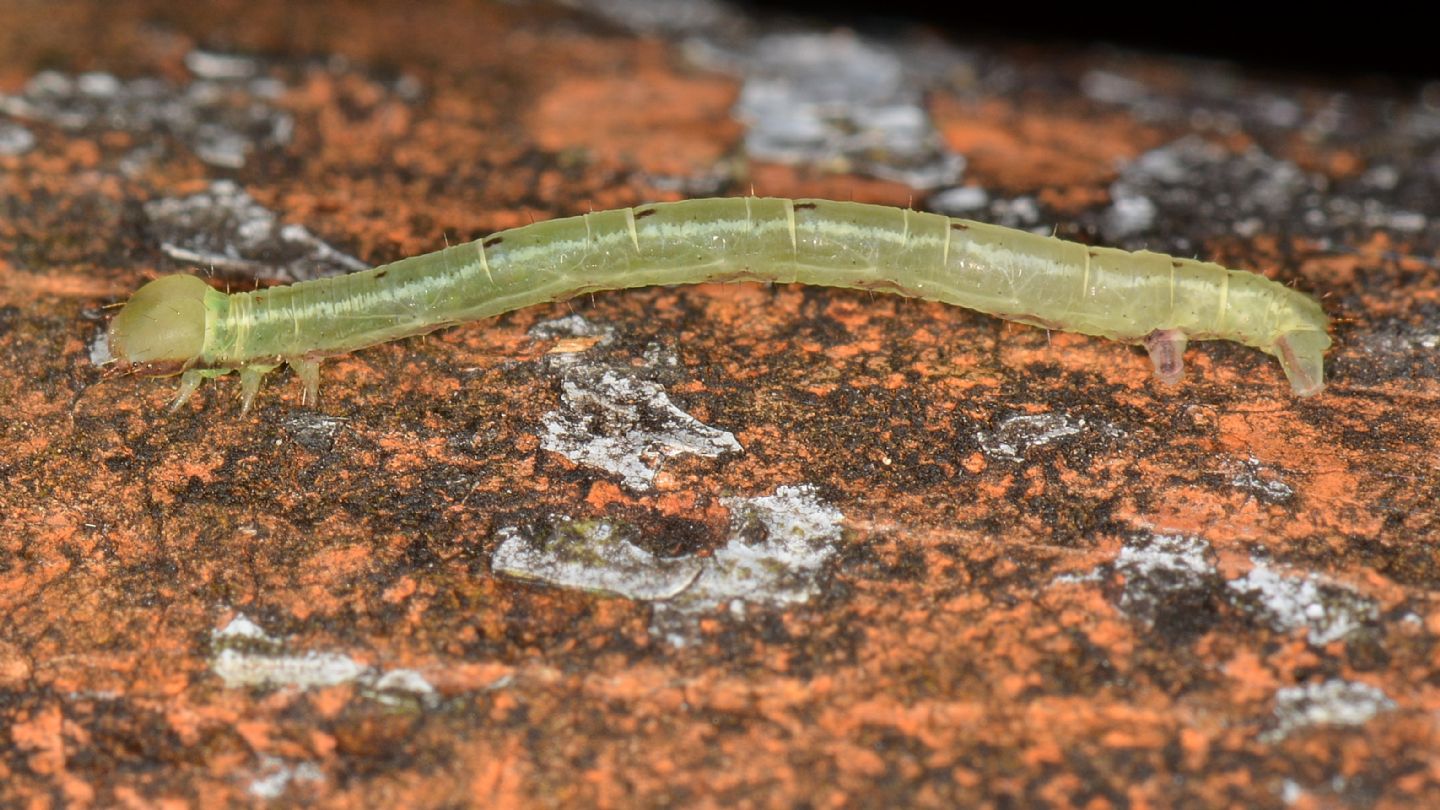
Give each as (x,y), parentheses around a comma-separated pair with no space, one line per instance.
(959,226)
(806,206)
(1176,264)
(381,274)
(882,285)
(737,275)
(492,241)
(642,214)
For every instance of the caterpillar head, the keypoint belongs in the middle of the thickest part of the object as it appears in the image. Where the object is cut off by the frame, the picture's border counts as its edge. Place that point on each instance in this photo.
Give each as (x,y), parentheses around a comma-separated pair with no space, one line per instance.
(161,329)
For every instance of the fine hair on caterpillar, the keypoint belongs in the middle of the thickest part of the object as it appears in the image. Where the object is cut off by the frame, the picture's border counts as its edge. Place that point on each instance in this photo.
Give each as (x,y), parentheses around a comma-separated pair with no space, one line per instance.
(180,325)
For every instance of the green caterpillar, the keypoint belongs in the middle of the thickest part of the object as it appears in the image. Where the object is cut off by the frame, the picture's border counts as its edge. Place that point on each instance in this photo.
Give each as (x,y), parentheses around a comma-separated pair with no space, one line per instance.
(180,325)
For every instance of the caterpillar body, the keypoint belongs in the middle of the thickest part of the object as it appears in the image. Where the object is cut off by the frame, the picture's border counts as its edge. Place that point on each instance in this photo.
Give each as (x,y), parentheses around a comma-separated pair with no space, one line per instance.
(180,325)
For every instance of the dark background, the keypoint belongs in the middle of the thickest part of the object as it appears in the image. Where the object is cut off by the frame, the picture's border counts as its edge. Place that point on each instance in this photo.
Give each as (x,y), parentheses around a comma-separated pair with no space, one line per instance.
(1351,40)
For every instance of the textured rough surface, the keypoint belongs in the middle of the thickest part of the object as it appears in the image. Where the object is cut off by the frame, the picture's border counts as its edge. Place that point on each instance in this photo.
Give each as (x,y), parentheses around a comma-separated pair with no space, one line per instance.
(928,558)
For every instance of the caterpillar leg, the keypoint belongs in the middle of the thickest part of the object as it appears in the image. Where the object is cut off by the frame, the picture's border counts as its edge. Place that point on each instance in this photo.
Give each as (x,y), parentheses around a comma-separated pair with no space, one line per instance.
(1167,353)
(309,373)
(189,384)
(250,378)
(1302,356)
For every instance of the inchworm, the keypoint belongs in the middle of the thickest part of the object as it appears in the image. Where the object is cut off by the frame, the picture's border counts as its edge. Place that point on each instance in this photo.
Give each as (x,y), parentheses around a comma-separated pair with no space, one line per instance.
(180,325)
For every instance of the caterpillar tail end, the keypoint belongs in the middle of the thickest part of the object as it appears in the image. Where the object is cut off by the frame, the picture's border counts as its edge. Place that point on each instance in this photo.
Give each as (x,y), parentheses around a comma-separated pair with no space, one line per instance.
(1302,356)
(1166,348)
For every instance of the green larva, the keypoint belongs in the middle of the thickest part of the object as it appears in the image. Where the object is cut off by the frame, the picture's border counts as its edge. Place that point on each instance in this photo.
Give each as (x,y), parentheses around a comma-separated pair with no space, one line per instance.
(180,325)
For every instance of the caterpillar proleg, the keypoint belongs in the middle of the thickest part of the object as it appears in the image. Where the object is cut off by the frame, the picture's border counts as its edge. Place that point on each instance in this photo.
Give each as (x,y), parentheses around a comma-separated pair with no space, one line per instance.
(180,325)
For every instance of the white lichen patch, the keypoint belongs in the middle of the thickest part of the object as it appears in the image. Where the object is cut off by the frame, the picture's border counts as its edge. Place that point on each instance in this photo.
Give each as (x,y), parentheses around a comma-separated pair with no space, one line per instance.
(959,200)
(1015,436)
(1195,182)
(1163,574)
(592,556)
(1130,214)
(1081,578)
(613,422)
(98,347)
(837,100)
(1162,571)
(399,687)
(1329,611)
(778,545)
(311,430)
(843,102)
(223,227)
(1110,87)
(307,670)
(775,552)
(674,17)
(274,775)
(1335,702)
(573,326)
(15,139)
(223,118)
(218,66)
(245,656)
(1186,173)
(1253,476)
(1017,212)
(242,627)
